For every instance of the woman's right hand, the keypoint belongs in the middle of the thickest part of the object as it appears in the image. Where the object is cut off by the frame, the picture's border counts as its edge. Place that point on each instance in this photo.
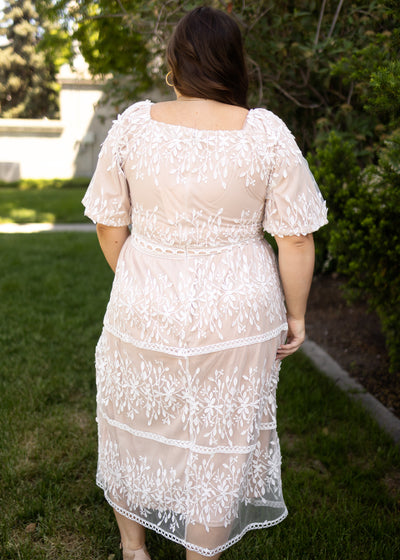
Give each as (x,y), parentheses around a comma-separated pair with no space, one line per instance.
(295,338)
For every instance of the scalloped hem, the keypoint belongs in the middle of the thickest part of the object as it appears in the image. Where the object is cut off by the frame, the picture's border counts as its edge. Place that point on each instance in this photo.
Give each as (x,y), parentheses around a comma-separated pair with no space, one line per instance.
(203,551)
(98,219)
(309,228)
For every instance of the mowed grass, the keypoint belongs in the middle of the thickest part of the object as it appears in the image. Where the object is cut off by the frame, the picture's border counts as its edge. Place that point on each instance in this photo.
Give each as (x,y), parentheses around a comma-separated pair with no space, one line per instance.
(341,474)
(46,205)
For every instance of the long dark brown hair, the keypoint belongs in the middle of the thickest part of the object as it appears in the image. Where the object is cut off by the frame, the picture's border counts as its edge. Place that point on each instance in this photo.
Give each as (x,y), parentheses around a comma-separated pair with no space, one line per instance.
(206,58)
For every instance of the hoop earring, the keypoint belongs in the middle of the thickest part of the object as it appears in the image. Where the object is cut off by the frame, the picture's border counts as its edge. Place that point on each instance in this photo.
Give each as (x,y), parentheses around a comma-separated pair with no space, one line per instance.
(166,79)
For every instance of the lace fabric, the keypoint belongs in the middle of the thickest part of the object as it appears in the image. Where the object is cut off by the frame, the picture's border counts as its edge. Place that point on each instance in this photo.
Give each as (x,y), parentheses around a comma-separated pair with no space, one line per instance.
(186,369)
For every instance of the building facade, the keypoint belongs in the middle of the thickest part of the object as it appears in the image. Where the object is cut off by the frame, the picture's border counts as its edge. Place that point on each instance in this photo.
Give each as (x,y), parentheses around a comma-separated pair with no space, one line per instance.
(65,148)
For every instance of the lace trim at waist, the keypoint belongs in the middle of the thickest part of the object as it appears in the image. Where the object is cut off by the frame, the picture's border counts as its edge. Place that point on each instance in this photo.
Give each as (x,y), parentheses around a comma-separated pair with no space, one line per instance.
(147,246)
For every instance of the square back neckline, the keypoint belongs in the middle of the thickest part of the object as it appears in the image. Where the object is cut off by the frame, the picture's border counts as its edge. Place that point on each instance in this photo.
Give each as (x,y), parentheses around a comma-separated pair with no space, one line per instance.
(194,129)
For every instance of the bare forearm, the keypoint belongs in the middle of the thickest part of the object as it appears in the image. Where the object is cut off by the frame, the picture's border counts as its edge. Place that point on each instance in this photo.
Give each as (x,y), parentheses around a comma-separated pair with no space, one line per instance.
(111,240)
(296,266)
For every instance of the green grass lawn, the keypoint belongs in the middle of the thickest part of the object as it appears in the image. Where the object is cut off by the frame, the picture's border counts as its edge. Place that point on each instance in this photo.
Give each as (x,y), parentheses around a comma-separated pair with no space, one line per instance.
(341,474)
(47,205)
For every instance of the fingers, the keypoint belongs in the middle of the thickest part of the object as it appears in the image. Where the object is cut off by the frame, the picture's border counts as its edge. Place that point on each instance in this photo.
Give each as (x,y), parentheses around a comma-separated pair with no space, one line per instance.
(289,348)
(295,337)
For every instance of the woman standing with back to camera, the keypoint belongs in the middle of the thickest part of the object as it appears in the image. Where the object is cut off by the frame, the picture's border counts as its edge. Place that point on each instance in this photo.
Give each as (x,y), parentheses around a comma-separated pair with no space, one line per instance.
(188,360)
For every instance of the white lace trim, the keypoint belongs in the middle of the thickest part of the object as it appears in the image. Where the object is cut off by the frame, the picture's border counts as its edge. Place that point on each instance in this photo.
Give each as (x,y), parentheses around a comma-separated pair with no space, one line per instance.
(240,450)
(268,425)
(196,350)
(145,245)
(281,229)
(189,546)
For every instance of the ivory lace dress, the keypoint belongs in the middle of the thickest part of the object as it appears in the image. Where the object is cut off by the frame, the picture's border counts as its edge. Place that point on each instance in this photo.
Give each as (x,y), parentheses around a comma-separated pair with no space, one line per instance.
(186,368)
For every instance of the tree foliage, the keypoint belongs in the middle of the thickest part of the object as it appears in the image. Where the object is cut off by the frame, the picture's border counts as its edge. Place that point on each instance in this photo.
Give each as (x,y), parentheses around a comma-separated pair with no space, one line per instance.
(366,242)
(331,70)
(363,238)
(28,86)
(303,56)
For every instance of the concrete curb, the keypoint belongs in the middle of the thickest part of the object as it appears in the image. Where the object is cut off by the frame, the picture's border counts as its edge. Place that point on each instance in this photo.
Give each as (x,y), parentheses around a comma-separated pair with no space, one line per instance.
(45,227)
(323,361)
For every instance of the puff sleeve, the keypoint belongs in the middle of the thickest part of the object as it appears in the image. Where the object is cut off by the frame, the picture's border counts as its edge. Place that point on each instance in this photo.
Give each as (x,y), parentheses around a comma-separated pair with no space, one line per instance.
(107,199)
(294,204)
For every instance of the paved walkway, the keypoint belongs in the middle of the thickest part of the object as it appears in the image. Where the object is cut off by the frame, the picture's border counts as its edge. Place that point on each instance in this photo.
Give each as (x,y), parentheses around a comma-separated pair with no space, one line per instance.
(45,227)
(323,361)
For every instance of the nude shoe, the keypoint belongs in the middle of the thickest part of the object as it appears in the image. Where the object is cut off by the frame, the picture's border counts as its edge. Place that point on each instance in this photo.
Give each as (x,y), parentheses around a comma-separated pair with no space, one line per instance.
(136,554)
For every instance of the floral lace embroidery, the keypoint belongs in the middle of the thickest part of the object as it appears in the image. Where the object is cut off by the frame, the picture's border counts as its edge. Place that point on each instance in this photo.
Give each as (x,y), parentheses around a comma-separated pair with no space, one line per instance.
(203,299)
(182,540)
(195,229)
(302,217)
(211,413)
(227,404)
(149,247)
(154,436)
(185,365)
(108,212)
(144,146)
(147,487)
(261,154)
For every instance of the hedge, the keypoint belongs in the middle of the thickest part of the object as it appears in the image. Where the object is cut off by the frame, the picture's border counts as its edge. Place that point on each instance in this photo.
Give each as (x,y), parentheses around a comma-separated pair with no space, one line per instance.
(40,184)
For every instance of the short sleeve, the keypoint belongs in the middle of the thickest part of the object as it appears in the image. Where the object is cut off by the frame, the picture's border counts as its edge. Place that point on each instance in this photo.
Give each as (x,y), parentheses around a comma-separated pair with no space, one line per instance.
(294,204)
(107,199)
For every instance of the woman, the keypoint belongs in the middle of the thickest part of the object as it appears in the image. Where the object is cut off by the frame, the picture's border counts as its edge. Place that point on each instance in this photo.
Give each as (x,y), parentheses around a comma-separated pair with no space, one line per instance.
(188,360)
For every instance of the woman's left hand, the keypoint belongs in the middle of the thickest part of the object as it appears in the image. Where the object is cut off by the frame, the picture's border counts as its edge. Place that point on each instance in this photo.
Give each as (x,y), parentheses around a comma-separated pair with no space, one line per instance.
(295,338)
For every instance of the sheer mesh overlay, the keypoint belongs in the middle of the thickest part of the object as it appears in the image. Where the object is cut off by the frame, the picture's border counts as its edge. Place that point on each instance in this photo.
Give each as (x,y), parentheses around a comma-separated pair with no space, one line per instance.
(185,365)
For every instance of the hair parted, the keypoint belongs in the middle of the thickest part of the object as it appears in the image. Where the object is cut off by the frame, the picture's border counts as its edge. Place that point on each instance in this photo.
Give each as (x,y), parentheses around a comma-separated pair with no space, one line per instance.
(205,54)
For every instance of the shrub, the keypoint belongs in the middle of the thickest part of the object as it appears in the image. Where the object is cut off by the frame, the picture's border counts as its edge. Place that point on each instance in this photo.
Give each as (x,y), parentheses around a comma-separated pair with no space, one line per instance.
(335,169)
(366,242)
(40,184)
